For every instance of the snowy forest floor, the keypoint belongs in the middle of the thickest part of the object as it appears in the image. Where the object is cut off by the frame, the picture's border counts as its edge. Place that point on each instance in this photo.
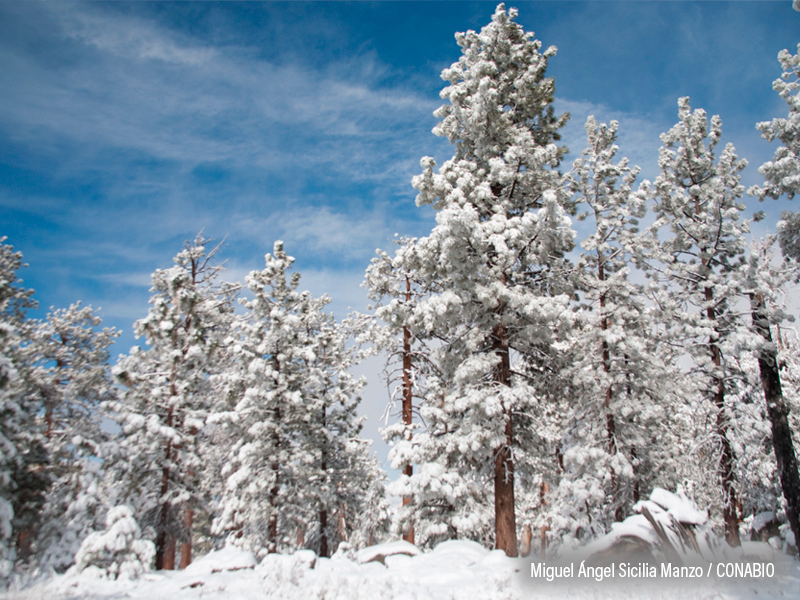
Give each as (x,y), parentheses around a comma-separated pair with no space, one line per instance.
(454,570)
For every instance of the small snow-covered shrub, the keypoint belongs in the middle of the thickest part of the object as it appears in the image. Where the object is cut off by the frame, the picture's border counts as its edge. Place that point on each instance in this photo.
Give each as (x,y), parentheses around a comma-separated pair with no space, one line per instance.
(119,552)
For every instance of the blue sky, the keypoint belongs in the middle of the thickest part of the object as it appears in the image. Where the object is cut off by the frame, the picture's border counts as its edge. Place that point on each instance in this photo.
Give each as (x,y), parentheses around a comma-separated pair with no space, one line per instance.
(126,128)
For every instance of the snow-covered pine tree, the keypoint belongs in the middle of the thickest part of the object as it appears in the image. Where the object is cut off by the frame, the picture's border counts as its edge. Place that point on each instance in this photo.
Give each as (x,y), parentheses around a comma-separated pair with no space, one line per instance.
(168,396)
(16,415)
(296,466)
(497,251)
(697,197)
(616,376)
(67,374)
(336,477)
(764,284)
(439,503)
(782,176)
(22,454)
(264,393)
(363,516)
(395,291)
(8,451)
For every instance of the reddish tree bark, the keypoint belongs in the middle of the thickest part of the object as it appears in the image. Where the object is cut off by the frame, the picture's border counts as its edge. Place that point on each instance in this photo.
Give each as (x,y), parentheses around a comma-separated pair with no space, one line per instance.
(169,555)
(186,547)
(505,525)
(408,470)
(323,541)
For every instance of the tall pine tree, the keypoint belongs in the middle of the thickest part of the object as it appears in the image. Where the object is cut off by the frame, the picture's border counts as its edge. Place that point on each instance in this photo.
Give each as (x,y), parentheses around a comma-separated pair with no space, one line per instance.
(18,440)
(409,364)
(697,198)
(168,396)
(497,251)
(782,176)
(616,375)
(296,470)
(68,372)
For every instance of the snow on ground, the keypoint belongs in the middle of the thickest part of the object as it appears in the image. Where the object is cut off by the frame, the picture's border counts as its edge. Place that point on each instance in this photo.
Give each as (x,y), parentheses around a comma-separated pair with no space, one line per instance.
(454,570)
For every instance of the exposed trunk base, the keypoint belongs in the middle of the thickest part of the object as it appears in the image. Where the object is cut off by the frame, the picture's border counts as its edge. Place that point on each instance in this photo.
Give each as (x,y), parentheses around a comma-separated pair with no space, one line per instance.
(186,547)
(25,544)
(545,529)
(505,519)
(272,532)
(505,524)
(169,555)
(409,534)
(729,513)
(323,530)
(527,538)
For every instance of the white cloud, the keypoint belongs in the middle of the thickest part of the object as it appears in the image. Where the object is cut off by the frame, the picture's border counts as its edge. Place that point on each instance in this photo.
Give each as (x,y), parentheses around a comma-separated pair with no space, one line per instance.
(135,85)
(323,231)
(130,37)
(142,280)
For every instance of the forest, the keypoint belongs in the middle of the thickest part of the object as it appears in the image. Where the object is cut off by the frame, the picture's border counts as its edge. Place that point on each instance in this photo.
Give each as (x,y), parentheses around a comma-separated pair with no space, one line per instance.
(542,383)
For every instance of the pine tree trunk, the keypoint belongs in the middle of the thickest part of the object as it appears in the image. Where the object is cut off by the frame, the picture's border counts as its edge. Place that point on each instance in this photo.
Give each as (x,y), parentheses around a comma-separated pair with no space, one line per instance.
(341,525)
(272,523)
(169,554)
(162,539)
(408,470)
(323,538)
(611,426)
(636,492)
(408,536)
(186,547)
(727,458)
(323,513)
(505,526)
(527,537)
(778,413)
(25,544)
(634,456)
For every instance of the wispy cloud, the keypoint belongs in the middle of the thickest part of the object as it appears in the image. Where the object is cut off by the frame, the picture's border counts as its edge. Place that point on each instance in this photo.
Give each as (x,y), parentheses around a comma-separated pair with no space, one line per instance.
(154,134)
(135,86)
(131,38)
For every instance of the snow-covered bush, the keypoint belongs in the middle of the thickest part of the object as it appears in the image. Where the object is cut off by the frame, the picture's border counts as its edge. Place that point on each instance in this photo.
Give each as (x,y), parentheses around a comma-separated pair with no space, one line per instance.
(119,552)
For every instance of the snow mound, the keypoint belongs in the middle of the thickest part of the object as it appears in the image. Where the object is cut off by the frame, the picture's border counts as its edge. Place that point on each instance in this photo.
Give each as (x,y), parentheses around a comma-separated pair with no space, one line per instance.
(456,553)
(762,519)
(380,552)
(229,558)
